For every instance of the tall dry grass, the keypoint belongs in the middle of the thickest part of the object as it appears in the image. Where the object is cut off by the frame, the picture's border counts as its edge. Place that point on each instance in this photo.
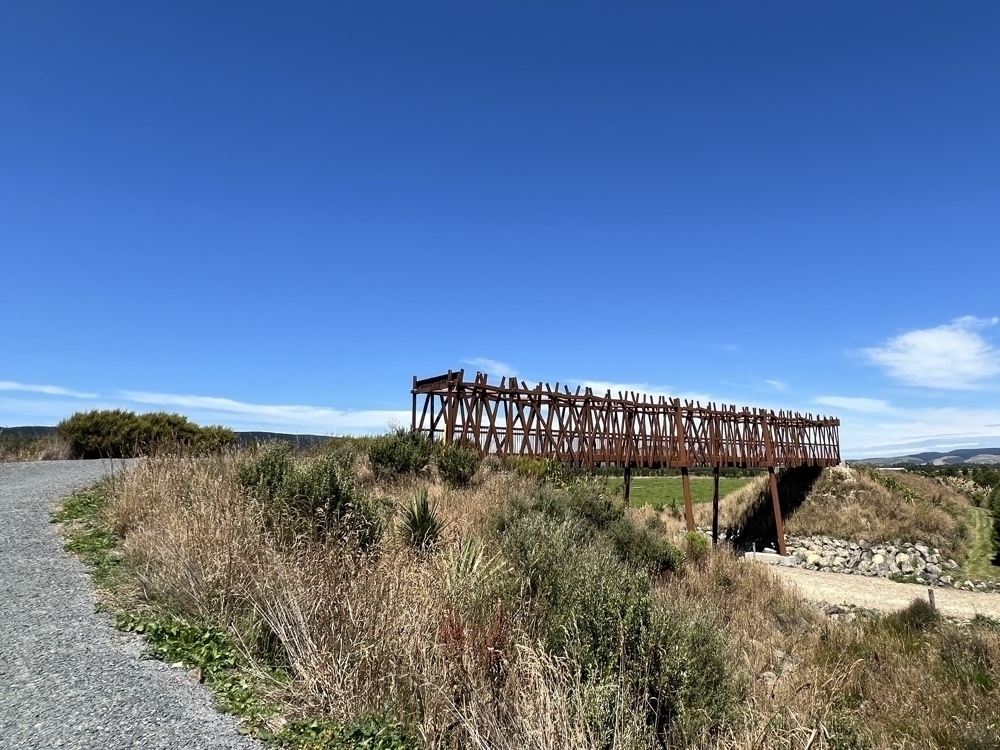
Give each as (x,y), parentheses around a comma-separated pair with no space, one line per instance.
(434,636)
(20,448)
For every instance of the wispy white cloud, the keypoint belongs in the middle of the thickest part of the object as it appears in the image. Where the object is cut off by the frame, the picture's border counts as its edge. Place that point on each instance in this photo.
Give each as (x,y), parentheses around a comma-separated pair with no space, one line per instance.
(865,405)
(603,386)
(492,367)
(296,416)
(50,390)
(777,385)
(49,404)
(951,356)
(873,427)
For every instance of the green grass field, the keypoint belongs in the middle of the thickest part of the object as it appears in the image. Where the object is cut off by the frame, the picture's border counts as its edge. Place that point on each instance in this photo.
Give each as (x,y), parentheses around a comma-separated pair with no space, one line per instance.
(666,492)
(979,563)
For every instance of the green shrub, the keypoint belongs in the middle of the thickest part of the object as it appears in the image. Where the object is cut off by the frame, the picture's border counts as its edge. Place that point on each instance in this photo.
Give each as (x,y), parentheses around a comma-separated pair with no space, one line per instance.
(587,605)
(697,546)
(597,512)
(457,464)
(369,732)
(400,452)
(420,525)
(538,469)
(645,547)
(116,433)
(318,496)
(590,606)
(694,687)
(266,470)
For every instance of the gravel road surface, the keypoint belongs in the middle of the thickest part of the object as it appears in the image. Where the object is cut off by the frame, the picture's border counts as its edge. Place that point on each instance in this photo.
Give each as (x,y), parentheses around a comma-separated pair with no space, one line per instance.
(885,596)
(68,679)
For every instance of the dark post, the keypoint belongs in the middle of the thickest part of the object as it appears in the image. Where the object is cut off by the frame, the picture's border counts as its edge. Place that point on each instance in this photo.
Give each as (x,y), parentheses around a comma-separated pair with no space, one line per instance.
(627,483)
(779,524)
(413,417)
(715,506)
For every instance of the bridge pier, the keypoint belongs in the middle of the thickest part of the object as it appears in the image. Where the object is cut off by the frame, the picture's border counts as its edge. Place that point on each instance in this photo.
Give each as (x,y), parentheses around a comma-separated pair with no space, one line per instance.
(688,504)
(779,523)
(715,506)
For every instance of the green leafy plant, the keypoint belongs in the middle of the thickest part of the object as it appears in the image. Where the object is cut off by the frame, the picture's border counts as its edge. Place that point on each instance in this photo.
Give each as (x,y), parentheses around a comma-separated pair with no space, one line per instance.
(400,452)
(457,464)
(319,496)
(697,545)
(419,525)
(369,732)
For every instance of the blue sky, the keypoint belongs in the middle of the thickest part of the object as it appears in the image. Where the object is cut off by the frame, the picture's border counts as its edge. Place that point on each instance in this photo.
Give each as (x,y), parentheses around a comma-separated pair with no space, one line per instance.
(273,215)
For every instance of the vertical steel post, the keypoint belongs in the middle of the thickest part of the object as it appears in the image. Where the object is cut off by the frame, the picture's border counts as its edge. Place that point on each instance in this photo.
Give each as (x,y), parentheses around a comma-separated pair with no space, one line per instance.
(779,524)
(688,505)
(715,506)
(627,482)
(413,418)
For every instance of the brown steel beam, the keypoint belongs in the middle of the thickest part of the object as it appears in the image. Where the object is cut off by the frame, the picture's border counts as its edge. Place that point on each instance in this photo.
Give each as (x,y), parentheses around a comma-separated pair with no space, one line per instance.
(715,505)
(688,504)
(779,524)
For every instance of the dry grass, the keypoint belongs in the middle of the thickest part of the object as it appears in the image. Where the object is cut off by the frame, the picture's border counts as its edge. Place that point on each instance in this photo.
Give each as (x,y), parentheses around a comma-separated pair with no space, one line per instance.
(431,635)
(17,448)
(850,504)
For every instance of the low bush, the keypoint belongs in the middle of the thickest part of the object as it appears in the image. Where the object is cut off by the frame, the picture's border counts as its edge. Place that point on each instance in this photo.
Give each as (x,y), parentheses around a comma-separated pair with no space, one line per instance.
(538,469)
(116,433)
(594,511)
(400,452)
(645,547)
(697,546)
(456,464)
(316,496)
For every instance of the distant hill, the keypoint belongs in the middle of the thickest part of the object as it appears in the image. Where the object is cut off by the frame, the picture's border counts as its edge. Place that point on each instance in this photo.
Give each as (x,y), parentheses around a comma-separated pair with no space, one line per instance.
(243,438)
(969,456)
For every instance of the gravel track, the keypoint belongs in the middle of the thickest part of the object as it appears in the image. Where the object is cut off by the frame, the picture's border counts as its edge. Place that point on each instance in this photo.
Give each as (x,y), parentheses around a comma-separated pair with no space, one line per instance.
(885,596)
(68,679)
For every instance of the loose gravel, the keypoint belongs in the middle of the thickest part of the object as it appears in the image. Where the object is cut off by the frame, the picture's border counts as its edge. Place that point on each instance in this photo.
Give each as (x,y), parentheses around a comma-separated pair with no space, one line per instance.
(68,679)
(885,596)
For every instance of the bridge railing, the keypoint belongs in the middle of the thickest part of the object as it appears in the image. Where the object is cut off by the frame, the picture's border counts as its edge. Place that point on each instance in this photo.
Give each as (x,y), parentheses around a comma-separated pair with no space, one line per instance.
(584,428)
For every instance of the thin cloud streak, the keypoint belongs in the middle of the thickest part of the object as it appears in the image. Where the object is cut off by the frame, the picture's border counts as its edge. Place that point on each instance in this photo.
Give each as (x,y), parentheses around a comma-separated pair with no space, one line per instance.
(49,390)
(303,416)
(492,367)
(601,387)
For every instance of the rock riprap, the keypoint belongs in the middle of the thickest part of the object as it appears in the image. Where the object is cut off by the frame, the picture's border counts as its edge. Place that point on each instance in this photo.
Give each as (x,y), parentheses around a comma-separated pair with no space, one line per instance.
(916,560)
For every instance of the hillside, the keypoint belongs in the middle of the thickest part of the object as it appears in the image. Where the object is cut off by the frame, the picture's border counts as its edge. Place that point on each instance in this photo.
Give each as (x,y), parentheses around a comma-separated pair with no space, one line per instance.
(971,456)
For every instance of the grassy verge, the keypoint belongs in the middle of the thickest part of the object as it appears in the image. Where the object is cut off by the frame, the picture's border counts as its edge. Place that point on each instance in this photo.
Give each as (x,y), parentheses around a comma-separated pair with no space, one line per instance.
(978,564)
(667,492)
(203,646)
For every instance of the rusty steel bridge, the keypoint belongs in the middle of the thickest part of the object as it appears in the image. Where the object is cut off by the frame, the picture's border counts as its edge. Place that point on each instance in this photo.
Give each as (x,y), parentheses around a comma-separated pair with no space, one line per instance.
(630,430)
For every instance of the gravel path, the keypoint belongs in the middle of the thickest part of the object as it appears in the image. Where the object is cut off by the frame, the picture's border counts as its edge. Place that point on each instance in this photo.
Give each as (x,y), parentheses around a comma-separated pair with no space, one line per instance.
(883,595)
(68,679)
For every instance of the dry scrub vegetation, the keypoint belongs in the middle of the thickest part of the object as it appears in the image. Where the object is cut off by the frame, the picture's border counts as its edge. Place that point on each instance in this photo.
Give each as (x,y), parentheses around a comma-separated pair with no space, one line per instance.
(18,447)
(531,616)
